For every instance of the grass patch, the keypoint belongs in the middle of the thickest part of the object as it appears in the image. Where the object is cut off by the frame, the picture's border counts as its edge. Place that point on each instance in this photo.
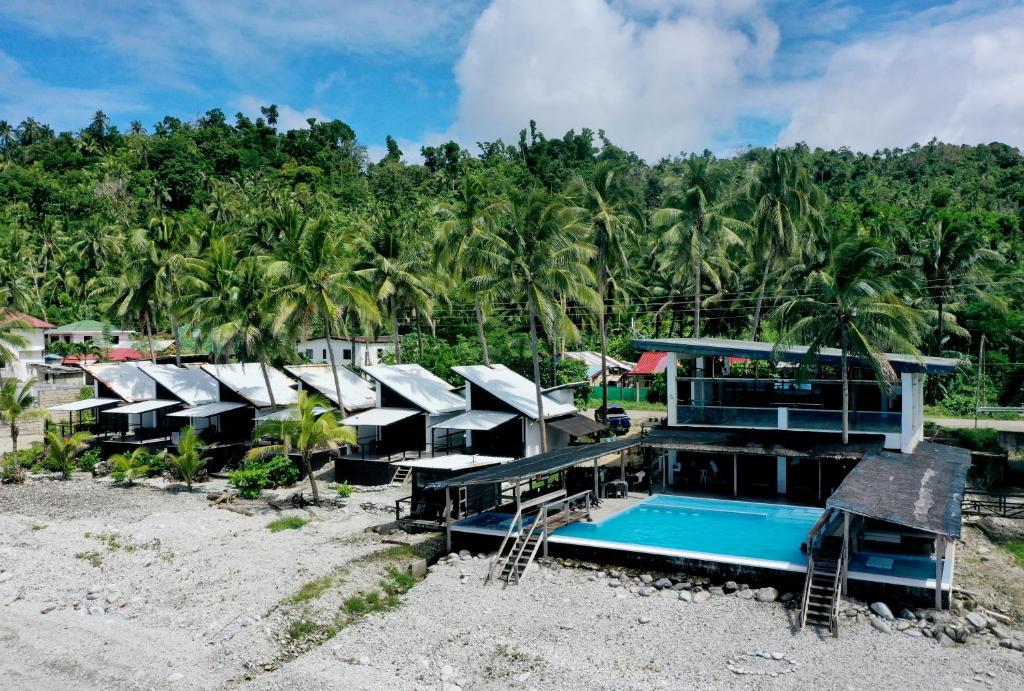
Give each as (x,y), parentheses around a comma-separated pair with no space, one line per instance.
(301,629)
(94,558)
(115,543)
(38,526)
(630,405)
(394,553)
(287,523)
(311,590)
(1016,550)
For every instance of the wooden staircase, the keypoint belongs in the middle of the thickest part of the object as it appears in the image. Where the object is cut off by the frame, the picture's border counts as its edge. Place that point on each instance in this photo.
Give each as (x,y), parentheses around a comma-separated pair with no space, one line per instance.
(401,476)
(822,587)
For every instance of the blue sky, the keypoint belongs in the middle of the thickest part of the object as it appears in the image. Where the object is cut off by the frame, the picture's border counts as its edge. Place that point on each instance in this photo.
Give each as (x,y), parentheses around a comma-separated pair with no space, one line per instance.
(661,76)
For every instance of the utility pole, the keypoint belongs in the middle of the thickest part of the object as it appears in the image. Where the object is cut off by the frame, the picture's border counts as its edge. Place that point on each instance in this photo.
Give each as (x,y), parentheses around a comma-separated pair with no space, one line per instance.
(977,386)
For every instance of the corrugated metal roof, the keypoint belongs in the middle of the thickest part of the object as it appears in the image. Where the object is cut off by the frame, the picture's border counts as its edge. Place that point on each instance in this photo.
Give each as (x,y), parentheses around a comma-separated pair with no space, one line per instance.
(649,363)
(455,462)
(141,407)
(826,445)
(125,379)
(7,316)
(87,326)
(921,490)
(593,359)
(477,420)
(512,388)
(418,386)
(380,417)
(577,425)
(541,464)
(191,384)
(356,392)
(758,350)
(246,379)
(206,410)
(85,404)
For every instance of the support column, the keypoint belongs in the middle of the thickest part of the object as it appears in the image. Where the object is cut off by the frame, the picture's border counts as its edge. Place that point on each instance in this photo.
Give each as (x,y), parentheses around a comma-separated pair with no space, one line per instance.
(846,547)
(735,476)
(940,551)
(447,518)
(597,494)
(671,384)
(819,479)
(780,474)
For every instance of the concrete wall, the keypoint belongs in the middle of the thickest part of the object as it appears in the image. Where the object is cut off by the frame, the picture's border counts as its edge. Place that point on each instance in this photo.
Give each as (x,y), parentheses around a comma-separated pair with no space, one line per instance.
(316,350)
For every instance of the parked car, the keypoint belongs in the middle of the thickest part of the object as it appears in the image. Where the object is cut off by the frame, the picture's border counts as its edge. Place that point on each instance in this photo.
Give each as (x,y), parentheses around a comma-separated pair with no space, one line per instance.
(616,418)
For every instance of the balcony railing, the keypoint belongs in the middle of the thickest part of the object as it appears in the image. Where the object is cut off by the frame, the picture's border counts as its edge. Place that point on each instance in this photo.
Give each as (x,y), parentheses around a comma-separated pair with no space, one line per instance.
(787,418)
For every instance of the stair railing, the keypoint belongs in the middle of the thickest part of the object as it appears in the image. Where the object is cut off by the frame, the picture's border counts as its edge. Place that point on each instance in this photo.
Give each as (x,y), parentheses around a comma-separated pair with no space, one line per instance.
(501,550)
(840,565)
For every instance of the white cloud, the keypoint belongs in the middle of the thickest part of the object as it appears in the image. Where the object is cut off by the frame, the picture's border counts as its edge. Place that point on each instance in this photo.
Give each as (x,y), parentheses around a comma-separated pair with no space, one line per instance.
(61,107)
(961,81)
(657,87)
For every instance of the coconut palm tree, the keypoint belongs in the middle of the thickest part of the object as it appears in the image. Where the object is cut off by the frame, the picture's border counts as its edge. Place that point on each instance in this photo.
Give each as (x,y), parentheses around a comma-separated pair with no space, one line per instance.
(190,460)
(10,339)
(306,432)
(954,262)
(61,451)
(468,244)
(549,256)
(854,302)
(132,289)
(786,203)
(319,279)
(130,466)
(697,227)
(612,216)
(16,401)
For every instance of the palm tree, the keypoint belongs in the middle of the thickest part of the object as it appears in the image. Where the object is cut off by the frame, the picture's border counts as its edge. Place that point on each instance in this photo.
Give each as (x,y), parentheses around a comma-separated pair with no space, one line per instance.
(130,466)
(854,302)
(132,290)
(10,339)
(469,244)
(953,261)
(787,202)
(16,401)
(610,213)
(549,256)
(190,459)
(319,279)
(697,227)
(61,452)
(306,433)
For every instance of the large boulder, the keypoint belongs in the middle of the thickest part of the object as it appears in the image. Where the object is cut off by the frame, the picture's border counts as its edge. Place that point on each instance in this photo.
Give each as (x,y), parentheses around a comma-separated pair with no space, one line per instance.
(766,594)
(882,610)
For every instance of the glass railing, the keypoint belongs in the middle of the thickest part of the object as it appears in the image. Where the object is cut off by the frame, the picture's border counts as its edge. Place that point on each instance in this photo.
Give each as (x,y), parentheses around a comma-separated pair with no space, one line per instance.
(793,418)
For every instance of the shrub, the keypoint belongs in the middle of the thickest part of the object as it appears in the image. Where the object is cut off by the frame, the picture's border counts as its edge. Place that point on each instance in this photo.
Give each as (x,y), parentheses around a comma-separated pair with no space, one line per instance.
(281,471)
(156,464)
(345,490)
(127,467)
(11,472)
(189,462)
(88,460)
(249,480)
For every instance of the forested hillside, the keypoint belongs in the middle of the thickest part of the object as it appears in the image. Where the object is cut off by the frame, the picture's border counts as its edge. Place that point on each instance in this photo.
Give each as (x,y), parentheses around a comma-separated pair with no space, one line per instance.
(253,236)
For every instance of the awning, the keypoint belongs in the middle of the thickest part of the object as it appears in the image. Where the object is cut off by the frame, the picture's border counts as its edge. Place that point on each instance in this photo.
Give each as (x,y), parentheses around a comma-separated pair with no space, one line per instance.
(922,490)
(379,417)
(206,410)
(86,404)
(577,425)
(142,407)
(477,420)
(541,464)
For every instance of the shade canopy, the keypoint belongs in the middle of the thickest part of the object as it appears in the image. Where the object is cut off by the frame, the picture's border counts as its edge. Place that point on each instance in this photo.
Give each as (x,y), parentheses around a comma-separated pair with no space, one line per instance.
(513,389)
(356,392)
(379,417)
(142,407)
(125,379)
(206,410)
(577,425)
(455,462)
(191,384)
(477,420)
(86,404)
(246,379)
(419,387)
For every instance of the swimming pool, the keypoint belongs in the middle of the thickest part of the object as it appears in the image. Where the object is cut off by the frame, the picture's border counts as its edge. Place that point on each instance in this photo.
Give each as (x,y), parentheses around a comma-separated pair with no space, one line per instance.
(725,530)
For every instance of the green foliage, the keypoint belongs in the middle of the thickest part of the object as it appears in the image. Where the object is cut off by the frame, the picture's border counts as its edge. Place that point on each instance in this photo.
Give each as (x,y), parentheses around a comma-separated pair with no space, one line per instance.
(1016,550)
(88,459)
(11,472)
(93,557)
(281,471)
(302,628)
(128,467)
(657,392)
(311,590)
(189,462)
(345,490)
(981,439)
(287,523)
(62,452)
(249,480)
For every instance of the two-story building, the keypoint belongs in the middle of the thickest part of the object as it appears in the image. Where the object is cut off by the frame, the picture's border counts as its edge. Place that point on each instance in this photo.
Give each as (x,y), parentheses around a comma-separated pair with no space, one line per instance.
(29,355)
(91,331)
(355,350)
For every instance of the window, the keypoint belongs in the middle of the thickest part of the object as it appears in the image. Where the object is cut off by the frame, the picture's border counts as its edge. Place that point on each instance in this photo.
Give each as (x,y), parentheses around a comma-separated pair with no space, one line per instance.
(380,352)
(346,354)
(309,353)
(87,339)
(115,339)
(324,355)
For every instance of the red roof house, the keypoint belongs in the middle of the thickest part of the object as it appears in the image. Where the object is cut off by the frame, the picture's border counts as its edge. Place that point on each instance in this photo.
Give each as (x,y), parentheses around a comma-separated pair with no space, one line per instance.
(7,316)
(116,355)
(650,363)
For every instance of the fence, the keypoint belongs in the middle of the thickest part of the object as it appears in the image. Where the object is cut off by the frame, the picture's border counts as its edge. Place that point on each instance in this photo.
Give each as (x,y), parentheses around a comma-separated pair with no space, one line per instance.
(1002,504)
(621,394)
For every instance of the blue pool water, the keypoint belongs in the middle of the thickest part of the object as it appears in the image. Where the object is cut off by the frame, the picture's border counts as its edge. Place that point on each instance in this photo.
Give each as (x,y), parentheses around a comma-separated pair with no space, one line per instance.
(739,529)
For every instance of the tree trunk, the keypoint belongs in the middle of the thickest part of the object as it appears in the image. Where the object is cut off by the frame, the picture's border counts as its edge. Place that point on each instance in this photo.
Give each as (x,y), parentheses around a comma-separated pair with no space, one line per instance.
(334,363)
(266,379)
(760,293)
(601,286)
(177,339)
(394,330)
(480,330)
(14,437)
(312,480)
(536,379)
(846,390)
(149,336)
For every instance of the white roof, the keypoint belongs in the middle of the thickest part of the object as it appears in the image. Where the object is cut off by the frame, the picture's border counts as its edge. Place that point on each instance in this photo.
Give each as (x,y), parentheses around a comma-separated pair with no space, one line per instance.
(455,462)
(85,404)
(287,414)
(190,384)
(142,407)
(419,387)
(380,417)
(477,420)
(356,392)
(246,379)
(512,388)
(125,379)
(592,358)
(206,410)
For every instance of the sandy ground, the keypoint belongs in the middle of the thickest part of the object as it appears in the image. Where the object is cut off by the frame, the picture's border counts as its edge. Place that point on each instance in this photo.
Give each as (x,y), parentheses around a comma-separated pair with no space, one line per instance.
(195,598)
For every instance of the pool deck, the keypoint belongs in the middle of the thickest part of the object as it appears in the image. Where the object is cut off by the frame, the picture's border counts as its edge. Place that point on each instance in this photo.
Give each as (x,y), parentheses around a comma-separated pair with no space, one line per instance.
(495,526)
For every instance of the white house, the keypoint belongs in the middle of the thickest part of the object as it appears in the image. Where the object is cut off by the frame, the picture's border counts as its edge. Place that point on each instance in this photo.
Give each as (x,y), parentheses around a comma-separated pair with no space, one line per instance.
(90,331)
(29,356)
(356,350)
